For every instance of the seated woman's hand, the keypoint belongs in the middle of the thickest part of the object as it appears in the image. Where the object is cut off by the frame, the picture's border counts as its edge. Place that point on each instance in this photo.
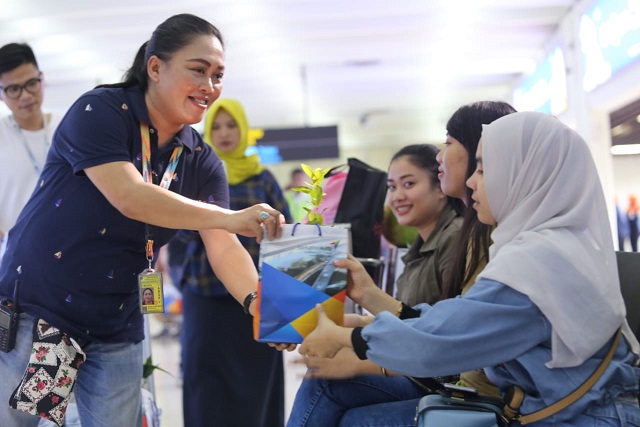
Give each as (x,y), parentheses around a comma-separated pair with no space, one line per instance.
(326,339)
(359,282)
(352,320)
(345,364)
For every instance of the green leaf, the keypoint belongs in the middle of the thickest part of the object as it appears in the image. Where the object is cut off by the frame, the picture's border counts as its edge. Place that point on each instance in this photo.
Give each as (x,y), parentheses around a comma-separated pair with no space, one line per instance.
(317,193)
(149,367)
(307,169)
(302,189)
(314,218)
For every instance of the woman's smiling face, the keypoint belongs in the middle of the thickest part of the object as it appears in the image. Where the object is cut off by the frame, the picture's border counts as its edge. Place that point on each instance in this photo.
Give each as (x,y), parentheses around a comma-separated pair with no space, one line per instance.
(189,81)
(414,197)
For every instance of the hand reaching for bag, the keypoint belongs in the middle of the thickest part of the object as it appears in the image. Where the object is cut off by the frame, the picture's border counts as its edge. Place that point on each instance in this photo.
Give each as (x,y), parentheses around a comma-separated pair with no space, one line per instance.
(362,289)
(254,220)
(359,282)
(326,339)
(350,321)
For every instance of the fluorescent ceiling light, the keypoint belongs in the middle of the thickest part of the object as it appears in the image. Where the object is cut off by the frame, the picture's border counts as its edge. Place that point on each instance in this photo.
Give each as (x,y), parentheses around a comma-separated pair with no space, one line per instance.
(625,149)
(620,129)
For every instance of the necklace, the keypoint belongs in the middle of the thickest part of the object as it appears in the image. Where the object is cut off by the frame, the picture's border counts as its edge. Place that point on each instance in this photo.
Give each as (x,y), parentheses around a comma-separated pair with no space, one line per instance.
(36,166)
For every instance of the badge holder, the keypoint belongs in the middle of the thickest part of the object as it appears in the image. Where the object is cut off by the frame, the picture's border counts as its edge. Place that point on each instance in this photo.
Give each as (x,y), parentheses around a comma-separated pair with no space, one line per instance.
(150,287)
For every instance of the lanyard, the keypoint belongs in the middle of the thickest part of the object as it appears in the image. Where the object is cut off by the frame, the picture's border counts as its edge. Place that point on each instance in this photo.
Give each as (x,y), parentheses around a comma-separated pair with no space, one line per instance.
(23,139)
(147,175)
(147,172)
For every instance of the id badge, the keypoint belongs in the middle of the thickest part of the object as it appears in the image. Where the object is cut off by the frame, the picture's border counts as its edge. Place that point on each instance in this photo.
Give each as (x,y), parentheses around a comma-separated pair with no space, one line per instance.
(151,295)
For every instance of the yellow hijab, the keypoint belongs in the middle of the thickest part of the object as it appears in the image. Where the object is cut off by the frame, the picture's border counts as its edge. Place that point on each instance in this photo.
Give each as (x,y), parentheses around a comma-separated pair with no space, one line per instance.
(239,166)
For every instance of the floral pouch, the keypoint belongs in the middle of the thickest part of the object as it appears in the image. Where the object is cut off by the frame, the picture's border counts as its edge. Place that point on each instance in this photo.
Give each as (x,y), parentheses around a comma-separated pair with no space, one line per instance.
(46,385)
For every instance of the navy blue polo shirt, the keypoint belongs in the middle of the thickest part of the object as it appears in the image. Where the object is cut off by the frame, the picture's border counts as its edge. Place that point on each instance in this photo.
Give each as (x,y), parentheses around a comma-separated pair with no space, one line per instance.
(76,257)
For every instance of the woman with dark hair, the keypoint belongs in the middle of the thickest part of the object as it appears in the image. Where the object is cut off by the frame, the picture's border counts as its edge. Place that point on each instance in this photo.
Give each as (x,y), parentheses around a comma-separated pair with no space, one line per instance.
(416,200)
(457,163)
(337,390)
(124,173)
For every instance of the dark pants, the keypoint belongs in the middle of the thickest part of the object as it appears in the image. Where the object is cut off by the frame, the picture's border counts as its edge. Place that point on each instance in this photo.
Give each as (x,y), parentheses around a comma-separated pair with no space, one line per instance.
(229,379)
(633,232)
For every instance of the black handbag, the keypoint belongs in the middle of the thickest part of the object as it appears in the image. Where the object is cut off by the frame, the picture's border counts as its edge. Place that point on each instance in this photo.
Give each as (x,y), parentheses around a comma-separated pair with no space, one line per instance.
(362,206)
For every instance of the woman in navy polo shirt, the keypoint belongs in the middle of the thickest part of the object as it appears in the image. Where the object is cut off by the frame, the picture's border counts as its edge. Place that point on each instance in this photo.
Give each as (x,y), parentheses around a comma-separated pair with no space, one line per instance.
(125,171)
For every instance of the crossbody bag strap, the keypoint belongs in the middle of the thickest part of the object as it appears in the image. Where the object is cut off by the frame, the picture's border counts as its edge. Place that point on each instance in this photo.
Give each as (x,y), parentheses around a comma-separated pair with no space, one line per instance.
(515,396)
(430,385)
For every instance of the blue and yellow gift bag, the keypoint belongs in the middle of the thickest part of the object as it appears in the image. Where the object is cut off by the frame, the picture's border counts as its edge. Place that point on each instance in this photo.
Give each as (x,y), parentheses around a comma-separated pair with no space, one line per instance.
(297,272)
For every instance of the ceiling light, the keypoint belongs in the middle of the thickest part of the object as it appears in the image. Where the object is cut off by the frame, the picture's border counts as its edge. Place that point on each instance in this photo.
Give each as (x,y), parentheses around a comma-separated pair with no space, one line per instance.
(620,129)
(625,149)
(362,63)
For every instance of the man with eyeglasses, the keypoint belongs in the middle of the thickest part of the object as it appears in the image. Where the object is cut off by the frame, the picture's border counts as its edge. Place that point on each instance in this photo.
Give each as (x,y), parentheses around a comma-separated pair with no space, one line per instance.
(25,134)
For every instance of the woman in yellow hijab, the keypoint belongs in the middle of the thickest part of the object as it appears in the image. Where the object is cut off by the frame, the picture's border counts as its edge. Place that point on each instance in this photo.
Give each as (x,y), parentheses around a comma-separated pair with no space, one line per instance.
(227,131)
(226,372)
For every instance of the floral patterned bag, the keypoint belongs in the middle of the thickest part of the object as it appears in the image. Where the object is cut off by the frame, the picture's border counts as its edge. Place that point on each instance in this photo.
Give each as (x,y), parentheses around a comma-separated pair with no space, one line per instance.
(46,385)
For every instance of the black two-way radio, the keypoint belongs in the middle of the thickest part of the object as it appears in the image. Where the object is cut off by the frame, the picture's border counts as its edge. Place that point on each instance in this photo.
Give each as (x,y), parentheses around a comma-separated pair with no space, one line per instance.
(9,321)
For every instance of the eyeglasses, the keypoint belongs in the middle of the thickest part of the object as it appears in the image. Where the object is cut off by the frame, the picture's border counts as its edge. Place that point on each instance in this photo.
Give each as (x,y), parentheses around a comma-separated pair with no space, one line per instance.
(15,91)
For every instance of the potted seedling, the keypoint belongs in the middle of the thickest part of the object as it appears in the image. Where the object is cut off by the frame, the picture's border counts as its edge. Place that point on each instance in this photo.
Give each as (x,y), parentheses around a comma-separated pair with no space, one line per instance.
(298,272)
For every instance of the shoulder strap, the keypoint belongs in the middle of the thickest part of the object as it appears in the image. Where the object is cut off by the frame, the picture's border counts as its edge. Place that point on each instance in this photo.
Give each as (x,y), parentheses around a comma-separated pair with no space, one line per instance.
(516,395)
(431,385)
(336,169)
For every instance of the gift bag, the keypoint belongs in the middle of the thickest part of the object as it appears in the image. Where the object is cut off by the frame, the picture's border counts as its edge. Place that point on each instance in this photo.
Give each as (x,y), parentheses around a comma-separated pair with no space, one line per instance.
(297,272)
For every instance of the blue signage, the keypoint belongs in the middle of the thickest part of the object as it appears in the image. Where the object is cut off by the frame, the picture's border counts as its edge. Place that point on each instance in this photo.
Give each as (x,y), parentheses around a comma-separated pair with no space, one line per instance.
(546,89)
(610,39)
(269,154)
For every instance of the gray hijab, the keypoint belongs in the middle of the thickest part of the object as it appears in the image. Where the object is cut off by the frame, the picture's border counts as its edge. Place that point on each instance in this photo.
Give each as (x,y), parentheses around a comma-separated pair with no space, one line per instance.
(553,241)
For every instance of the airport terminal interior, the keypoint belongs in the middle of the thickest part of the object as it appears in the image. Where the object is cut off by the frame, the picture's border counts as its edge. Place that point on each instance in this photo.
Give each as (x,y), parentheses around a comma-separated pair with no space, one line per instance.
(323,83)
